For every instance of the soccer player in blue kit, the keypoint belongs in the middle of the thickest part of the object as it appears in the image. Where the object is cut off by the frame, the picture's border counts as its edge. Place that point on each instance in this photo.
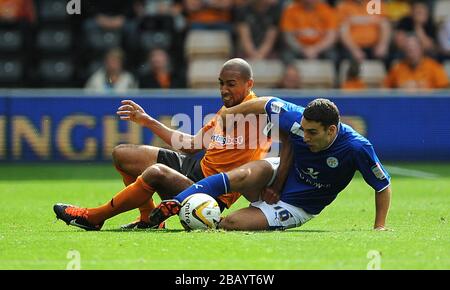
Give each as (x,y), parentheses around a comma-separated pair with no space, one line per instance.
(318,161)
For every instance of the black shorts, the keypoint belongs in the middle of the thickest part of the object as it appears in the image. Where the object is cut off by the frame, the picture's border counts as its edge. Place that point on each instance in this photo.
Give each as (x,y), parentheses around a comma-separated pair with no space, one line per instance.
(187,165)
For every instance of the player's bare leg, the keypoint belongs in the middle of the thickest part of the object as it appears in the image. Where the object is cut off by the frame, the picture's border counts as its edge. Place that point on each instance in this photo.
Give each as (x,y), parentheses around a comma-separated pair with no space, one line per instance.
(131,161)
(166,181)
(245,219)
(249,179)
(134,159)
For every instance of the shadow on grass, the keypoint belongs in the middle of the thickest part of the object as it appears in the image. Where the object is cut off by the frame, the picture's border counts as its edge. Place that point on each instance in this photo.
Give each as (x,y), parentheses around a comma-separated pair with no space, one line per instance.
(146,231)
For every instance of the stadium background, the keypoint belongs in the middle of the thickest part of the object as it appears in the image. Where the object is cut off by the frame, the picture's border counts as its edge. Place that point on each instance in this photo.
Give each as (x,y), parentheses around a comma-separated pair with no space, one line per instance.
(47,116)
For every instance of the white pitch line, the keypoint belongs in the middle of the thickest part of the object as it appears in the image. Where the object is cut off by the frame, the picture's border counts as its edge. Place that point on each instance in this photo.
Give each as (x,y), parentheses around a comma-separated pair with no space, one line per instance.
(411,172)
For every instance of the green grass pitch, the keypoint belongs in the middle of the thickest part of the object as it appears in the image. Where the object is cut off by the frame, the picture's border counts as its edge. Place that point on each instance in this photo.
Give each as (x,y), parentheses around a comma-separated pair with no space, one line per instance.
(339,238)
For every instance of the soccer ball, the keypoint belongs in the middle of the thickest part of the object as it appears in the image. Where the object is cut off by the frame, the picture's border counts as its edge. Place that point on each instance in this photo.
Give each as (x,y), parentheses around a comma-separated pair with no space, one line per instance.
(199,212)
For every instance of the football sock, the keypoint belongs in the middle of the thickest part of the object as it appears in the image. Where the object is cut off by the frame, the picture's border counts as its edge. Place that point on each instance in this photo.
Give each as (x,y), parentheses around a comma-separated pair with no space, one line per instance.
(213,185)
(132,196)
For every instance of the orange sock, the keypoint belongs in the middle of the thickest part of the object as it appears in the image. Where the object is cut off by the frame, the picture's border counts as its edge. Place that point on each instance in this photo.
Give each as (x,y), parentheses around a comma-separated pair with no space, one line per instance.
(127,179)
(146,209)
(133,196)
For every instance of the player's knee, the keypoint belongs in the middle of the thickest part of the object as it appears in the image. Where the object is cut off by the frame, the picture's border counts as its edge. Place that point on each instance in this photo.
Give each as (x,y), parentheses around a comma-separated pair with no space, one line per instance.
(120,153)
(238,177)
(155,174)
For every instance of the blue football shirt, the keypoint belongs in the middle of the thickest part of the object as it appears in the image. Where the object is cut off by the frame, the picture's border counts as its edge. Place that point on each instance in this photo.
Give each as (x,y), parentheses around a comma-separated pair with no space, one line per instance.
(316,178)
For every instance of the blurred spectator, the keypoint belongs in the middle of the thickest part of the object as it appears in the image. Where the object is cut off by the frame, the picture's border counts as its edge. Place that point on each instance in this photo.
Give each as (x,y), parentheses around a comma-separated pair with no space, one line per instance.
(208,14)
(309,30)
(17,11)
(257,27)
(397,9)
(160,14)
(291,78)
(160,74)
(419,23)
(109,14)
(444,39)
(353,80)
(416,71)
(363,35)
(112,77)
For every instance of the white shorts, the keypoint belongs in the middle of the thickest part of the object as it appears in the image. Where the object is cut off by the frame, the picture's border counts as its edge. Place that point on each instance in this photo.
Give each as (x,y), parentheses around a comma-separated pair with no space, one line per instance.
(281,215)
(275,163)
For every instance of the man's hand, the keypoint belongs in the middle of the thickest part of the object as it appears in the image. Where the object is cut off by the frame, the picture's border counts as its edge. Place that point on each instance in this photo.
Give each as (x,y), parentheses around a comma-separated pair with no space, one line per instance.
(130,111)
(270,195)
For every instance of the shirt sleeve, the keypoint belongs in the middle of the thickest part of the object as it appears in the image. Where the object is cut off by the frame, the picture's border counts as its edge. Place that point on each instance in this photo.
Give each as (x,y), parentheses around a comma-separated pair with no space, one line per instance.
(285,115)
(371,168)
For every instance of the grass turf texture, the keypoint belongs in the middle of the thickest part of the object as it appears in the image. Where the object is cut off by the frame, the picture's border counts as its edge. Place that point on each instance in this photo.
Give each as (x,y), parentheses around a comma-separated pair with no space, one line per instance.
(339,238)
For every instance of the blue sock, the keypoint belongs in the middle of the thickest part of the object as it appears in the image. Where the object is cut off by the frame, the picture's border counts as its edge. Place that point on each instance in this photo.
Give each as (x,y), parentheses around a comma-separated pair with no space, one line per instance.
(213,185)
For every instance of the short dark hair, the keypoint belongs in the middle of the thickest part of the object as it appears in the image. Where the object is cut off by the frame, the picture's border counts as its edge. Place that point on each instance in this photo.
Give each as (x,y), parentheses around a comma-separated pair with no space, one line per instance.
(322,111)
(241,66)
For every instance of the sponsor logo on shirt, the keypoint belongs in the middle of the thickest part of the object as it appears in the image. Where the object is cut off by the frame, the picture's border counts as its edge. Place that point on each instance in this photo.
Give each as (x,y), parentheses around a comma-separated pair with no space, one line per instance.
(227,140)
(311,173)
(378,172)
(305,174)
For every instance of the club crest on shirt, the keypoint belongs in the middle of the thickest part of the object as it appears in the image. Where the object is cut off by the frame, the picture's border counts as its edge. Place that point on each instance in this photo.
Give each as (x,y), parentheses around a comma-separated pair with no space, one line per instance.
(332,162)
(378,172)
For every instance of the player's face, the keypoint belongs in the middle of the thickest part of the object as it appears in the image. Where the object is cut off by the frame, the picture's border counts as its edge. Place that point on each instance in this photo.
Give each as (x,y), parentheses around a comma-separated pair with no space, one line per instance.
(233,88)
(316,136)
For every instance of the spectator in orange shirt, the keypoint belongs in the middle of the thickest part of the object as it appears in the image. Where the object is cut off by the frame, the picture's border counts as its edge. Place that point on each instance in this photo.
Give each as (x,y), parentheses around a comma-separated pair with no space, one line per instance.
(17,11)
(208,14)
(363,35)
(353,81)
(416,71)
(309,29)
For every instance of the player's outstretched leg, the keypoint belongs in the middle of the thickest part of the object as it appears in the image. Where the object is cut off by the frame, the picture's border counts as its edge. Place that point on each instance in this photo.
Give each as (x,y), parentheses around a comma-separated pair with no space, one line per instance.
(248,179)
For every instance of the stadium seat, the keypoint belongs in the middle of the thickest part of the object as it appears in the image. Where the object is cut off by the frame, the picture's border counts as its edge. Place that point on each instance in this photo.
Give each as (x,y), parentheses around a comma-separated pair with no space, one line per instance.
(316,74)
(267,73)
(203,44)
(101,40)
(152,39)
(441,10)
(54,71)
(373,72)
(11,71)
(203,73)
(10,40)
(54,40)
(52,10)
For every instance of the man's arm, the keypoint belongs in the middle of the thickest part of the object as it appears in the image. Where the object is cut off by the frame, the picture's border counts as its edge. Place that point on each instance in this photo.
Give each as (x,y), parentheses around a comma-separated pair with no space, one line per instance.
(254,106)
(382,202)
(271,194)
(130,111)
